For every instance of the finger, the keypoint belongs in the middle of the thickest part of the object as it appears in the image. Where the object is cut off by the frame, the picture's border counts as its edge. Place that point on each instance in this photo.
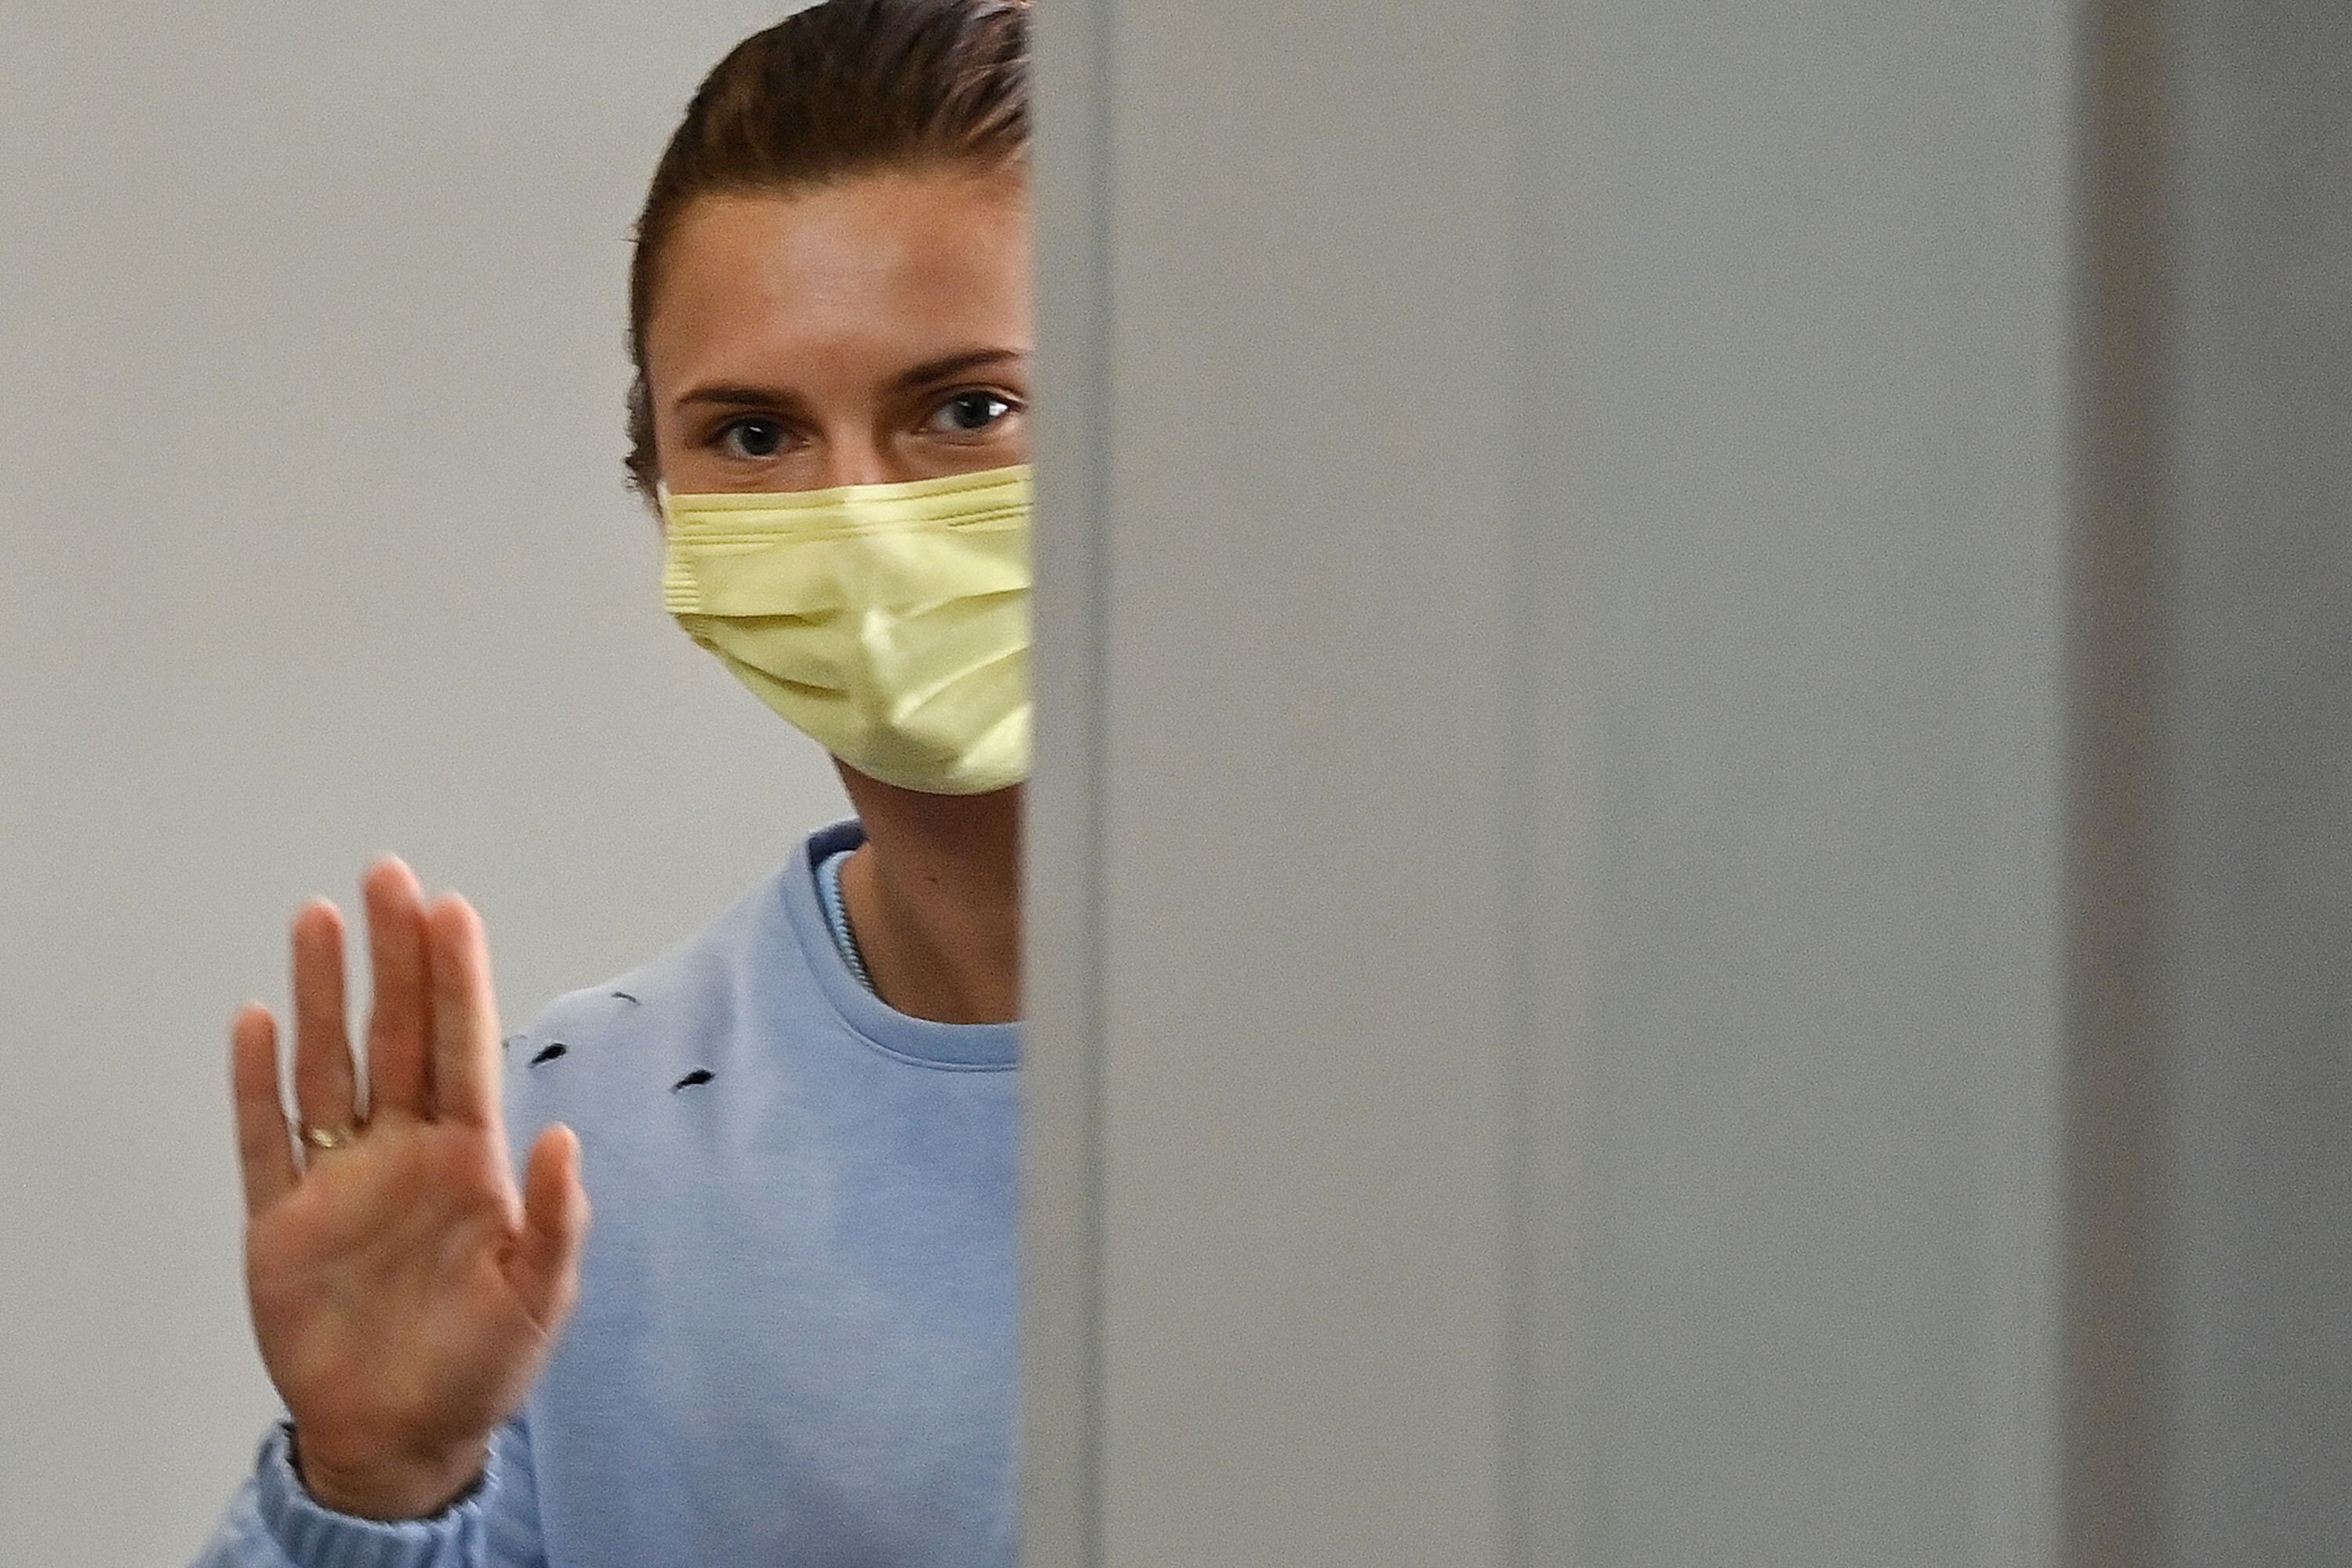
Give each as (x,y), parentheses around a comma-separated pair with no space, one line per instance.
(326,1089)
(399,1074)
(265,1145)
(545,1268)
(464,1015)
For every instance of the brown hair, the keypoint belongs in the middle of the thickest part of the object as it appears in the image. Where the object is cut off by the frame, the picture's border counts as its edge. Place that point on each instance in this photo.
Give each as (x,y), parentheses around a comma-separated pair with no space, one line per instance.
(845,87)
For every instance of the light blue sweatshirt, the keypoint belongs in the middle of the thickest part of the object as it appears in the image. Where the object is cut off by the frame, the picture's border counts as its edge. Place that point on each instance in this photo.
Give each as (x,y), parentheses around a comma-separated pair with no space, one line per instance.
(795,1339)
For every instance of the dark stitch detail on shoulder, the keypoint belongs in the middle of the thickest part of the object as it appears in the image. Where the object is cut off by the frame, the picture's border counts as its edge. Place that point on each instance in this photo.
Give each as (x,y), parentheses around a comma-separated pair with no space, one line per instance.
(549,1054)
(507,1044)
(698,1076)
(625,997)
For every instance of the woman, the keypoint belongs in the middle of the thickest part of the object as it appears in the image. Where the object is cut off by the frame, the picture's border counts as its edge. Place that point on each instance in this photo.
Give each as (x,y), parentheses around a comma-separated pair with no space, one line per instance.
(792,1340)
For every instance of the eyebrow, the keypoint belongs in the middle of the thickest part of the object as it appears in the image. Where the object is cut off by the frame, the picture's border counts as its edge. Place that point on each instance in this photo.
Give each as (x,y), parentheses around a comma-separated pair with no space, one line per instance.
(737,393)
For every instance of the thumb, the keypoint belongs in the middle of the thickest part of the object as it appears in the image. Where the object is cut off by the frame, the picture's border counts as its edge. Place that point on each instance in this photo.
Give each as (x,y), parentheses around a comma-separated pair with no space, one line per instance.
(544,1269)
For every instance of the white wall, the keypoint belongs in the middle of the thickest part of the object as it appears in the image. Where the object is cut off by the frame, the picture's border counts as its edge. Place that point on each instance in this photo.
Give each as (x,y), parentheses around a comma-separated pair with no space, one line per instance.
(310,379)
(1796,675)
(1553,670)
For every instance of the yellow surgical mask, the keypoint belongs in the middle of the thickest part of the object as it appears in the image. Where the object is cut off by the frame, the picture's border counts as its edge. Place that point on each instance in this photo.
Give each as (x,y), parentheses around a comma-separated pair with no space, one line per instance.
(888,622)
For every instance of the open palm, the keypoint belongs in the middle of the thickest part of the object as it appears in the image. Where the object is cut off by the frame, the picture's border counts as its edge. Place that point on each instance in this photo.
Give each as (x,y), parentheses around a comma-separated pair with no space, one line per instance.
(405,1294)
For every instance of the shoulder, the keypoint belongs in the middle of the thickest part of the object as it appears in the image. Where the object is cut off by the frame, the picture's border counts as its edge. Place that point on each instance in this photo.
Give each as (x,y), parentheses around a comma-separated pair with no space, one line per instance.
(641,1031)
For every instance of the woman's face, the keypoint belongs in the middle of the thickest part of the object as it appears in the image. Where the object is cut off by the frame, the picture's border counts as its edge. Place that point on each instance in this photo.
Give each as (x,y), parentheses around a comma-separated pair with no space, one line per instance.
(865,332)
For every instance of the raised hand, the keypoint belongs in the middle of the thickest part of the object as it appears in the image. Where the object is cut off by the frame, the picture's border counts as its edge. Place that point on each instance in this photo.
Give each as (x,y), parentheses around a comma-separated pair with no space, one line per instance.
(405,1295)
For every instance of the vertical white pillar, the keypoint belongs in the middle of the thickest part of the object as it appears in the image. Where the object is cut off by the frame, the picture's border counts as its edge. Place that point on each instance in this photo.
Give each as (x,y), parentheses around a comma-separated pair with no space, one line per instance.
(1288,321)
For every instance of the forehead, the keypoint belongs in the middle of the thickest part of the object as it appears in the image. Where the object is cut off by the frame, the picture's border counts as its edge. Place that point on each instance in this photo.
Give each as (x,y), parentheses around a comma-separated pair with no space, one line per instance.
(875,266)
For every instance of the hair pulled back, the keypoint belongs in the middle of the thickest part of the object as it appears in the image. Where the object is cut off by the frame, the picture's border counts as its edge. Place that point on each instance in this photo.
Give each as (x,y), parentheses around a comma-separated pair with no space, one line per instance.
(842,89)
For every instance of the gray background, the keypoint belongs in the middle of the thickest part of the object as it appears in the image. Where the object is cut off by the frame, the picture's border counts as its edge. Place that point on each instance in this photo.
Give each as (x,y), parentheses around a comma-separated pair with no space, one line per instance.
(310,377)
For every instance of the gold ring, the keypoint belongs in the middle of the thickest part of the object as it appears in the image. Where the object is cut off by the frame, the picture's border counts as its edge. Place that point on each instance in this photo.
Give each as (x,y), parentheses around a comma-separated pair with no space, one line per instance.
(321,1137)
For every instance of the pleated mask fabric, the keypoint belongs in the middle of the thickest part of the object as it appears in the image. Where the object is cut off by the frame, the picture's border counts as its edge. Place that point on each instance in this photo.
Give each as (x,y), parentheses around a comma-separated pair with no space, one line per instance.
(890,623)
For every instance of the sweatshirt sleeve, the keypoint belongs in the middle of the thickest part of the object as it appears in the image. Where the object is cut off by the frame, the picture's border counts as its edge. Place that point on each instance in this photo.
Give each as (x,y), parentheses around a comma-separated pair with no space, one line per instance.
(274,1523)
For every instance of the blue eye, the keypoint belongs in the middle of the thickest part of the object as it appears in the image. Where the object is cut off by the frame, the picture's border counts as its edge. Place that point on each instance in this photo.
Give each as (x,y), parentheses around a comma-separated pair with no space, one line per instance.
(968,412)
(753,439)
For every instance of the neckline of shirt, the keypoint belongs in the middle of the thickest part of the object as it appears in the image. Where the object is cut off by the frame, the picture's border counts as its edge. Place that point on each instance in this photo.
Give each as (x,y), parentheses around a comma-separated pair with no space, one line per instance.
(922,1042)
(836,913)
